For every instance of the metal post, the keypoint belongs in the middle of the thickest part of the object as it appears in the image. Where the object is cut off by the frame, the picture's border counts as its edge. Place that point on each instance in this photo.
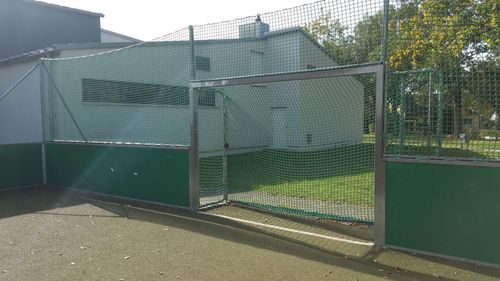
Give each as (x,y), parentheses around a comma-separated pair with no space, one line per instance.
(429,108)
(43,115)
(440,115)
(193,57)
(385,32)
(194,190)
(401,114)
(379,235)
(226,145)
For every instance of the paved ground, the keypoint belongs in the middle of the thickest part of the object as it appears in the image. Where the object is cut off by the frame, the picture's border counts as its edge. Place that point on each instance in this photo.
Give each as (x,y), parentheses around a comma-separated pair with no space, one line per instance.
(49,234)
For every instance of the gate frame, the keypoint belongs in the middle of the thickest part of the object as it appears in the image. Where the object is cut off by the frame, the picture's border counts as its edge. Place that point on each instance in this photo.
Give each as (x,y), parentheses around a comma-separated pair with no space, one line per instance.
(379,69)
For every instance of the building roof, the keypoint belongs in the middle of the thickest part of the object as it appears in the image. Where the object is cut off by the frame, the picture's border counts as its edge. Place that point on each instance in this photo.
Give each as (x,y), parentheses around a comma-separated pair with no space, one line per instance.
(68,9)
(55,49)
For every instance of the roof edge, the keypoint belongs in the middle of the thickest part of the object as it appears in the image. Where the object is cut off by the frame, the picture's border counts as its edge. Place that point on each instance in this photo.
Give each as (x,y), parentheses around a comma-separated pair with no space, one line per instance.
(120,35)
(69,9)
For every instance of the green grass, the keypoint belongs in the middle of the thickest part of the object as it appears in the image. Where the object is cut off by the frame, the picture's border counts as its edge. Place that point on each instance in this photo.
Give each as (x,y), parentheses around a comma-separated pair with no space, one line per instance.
(342,175)
(452,148)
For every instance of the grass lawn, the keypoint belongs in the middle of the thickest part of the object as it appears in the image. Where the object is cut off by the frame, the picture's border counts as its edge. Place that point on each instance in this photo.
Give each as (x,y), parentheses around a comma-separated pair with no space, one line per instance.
(342,175)
(417,145)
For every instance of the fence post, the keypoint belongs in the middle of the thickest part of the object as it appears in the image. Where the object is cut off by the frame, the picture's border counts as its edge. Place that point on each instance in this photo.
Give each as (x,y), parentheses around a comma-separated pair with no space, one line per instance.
(194,190)
(379,218)
(193,57)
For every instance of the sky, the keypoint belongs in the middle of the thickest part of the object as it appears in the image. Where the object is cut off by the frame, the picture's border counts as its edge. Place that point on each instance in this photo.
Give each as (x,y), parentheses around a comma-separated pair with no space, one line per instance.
(149,19)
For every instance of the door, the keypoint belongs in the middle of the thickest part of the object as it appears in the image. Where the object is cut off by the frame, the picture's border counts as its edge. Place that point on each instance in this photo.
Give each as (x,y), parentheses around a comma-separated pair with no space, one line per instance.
(279,126)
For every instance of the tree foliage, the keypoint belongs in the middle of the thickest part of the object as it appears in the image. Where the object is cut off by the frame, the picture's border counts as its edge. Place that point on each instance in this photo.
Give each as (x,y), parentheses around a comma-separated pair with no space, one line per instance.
(459,38)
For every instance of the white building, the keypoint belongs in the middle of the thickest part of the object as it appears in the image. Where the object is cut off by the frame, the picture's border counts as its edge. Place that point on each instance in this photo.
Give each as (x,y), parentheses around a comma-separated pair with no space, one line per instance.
(139,94)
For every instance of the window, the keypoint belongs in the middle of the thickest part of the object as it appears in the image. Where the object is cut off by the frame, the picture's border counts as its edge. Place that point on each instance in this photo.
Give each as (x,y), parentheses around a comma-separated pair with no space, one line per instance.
(94,90)
(206,97)
(202,63)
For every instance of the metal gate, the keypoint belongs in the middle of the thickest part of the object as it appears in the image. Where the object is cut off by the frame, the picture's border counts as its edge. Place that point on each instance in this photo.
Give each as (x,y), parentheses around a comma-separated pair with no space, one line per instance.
(304,143)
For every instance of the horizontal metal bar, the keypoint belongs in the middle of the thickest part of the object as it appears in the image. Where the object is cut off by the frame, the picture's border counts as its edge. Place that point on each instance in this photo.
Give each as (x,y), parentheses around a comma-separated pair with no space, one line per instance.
(114,144)
(458,162)
(290,76)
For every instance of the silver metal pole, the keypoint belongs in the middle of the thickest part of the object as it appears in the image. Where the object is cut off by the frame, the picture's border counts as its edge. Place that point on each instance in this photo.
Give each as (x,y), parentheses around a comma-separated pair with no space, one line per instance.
(290,76)
(194,188)
(226,146)
(379,235)
(43,114)
(429,108)
(193,57)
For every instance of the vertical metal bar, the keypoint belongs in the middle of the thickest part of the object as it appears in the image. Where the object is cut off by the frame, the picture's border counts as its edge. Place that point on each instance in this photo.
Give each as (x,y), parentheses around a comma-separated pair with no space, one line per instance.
(440,114)
(43,116)
(379,235)
(429,108)
(194,188)
(401,114)
(48,112)
(385,32)
(226,145)
(193,57)
(44,164)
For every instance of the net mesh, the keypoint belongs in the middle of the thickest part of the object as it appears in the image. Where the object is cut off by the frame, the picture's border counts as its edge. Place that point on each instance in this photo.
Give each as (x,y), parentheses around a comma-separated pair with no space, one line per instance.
(458,42)
(137,94)
(299,147)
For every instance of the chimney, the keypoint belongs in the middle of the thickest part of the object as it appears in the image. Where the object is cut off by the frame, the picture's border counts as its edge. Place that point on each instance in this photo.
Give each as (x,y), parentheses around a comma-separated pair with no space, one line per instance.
(254,30)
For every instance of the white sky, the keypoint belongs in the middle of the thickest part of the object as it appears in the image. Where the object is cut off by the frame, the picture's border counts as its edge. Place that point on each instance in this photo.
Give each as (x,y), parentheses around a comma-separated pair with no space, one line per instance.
(149,19)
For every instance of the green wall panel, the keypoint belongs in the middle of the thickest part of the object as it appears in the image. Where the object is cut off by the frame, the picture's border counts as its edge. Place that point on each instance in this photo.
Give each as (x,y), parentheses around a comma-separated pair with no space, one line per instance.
(152,174)
(21,165)
(445,209)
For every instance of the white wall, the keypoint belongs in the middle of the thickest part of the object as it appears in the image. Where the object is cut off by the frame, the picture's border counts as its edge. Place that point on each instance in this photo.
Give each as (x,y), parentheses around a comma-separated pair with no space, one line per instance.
(20,111)
(283,55)
(332,108)
(249,107)
(139,123)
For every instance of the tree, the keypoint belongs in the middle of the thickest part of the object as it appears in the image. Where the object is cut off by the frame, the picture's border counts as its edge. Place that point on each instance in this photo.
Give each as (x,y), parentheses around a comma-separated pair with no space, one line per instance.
(452,36)
(460,38)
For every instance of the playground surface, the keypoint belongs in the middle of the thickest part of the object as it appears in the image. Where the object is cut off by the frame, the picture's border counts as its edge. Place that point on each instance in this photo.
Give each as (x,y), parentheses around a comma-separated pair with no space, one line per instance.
(55,234)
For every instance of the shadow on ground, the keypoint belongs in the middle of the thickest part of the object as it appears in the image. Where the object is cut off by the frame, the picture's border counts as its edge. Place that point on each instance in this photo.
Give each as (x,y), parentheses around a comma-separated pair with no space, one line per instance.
(371,263)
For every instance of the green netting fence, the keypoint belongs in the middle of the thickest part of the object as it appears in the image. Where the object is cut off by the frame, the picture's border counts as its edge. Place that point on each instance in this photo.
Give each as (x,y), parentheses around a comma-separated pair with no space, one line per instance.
(444,86)
(300,147)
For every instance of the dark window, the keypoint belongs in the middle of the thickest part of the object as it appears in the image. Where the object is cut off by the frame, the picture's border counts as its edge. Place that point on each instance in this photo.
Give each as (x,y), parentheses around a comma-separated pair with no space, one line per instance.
(311,66)
(94,90)
(206,97)
(202,63)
